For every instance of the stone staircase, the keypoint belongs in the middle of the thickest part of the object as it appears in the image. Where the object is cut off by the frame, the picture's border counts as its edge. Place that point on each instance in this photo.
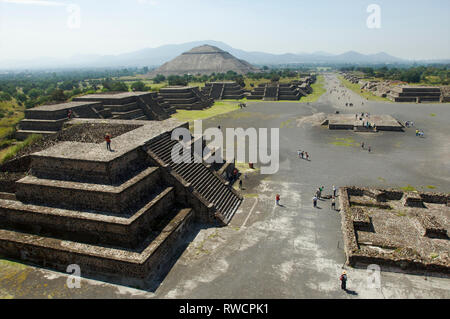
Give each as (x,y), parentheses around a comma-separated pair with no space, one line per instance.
(216,91)
(207,183)
(271,93)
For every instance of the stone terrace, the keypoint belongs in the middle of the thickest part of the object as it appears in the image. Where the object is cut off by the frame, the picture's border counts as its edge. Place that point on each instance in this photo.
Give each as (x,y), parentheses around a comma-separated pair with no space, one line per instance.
(186,97)
(417,94)
(394,228)
(49,119)
(277,92)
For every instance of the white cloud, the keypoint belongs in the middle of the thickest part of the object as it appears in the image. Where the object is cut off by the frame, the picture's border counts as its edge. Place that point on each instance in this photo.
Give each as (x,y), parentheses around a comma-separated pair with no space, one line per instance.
(36,2)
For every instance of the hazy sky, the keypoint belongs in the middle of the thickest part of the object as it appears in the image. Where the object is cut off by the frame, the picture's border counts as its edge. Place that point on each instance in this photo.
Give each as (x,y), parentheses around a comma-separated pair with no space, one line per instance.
(409,28)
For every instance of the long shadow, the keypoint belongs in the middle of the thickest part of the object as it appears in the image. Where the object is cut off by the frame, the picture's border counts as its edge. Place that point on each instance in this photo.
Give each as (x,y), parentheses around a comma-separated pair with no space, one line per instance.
(351,292)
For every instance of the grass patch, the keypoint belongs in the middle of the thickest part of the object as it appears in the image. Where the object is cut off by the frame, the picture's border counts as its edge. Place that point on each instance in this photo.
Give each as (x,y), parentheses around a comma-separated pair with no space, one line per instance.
(346,142)
(401,214)
(251,195)
(431,187)
(13,150)
(408,188)
(221,107)
(286,124)
(363,93)
(433,115)
(318,91)
(244,168)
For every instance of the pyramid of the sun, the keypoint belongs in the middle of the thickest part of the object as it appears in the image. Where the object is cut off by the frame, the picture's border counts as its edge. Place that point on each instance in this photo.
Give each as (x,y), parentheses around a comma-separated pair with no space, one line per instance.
(205,59)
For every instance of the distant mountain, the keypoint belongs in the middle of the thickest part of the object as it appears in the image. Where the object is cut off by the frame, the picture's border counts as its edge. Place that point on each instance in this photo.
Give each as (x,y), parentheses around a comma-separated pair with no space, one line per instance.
(155,57)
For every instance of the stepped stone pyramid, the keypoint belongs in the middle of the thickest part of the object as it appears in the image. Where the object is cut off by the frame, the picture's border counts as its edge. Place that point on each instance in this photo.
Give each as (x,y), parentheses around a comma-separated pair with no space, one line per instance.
(49,119)
(121,214)
(223,91)
(205,59)
(415,94)
(276,92)
(185,97)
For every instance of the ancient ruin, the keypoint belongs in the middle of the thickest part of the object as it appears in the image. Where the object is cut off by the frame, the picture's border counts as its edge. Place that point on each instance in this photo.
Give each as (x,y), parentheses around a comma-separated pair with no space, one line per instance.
(415,94)
(204,59)
(275,92)
(223,91)
(407,230)
(362,122)
(185,97)
(121,214)
(49,119)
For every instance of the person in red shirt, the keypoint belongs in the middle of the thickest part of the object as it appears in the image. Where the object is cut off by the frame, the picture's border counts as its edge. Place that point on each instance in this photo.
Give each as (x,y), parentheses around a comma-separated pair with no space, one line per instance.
(108,142)
(278,199)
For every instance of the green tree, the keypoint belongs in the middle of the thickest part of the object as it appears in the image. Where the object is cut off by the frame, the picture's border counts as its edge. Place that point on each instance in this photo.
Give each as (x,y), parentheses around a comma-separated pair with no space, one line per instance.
(139,86)
(58,95)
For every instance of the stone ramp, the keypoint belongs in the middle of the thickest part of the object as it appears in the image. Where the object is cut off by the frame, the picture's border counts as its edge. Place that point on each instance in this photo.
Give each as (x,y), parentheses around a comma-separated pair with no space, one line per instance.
(208,184)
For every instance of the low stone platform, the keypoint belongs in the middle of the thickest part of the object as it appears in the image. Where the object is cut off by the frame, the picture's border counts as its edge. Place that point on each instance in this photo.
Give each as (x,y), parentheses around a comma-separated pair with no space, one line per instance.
(382,227)
(357,122)
(185,97)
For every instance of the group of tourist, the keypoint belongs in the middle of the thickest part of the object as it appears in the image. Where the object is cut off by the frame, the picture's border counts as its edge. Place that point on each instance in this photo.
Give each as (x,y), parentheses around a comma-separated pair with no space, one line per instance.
(420,133)
(318,196)
(409,124)
(303,155)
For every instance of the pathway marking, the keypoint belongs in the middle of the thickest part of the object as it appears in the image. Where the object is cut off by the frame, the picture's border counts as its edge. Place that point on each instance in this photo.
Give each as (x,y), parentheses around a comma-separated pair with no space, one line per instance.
(249,214)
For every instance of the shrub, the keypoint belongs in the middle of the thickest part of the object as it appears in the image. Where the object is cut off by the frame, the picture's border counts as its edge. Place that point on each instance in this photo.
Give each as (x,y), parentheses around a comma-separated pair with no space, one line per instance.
(18,147)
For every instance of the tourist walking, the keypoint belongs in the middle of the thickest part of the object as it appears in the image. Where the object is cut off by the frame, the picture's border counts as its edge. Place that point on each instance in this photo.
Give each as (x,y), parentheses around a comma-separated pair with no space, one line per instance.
(240,184)
(370,149)
(334,191)
(278,197)
(108,142)
(315,201)
(343,280)
(333,203)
